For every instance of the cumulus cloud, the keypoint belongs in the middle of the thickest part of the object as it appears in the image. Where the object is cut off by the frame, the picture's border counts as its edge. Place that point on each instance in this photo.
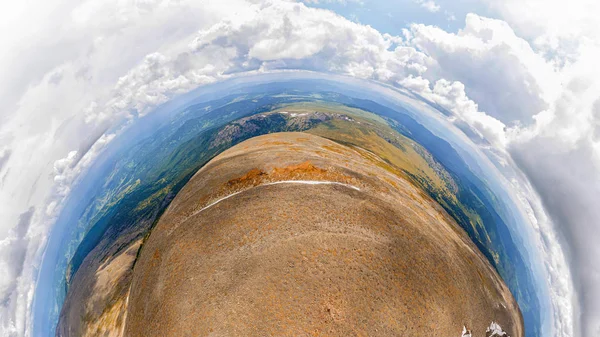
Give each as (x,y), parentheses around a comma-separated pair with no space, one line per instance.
(452,96)
(508,89)
(546,90)
(14,246)
(555,28)
(13,251)
(273,36)
(500,70)
(561,156)
(560,152)
(4,155)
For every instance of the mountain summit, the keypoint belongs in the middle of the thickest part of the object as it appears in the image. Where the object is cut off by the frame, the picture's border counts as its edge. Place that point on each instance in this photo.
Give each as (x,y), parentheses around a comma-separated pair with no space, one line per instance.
(292,234)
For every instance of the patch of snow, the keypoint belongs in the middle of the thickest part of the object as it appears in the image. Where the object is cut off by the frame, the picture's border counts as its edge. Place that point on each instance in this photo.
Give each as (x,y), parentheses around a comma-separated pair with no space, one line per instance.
(294,114)
(304,182)
(495,329)
(218,201)
(283,112)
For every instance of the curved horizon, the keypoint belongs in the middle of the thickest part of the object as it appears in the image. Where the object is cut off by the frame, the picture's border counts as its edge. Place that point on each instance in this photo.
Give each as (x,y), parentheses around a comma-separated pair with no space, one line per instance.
(503,97)
(518,223)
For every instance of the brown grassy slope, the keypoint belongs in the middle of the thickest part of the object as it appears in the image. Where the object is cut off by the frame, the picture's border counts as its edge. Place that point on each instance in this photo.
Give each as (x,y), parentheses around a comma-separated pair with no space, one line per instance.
(309,260)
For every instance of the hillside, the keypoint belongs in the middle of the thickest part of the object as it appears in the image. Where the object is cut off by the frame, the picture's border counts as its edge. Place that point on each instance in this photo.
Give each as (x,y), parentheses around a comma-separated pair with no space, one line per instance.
(291,234)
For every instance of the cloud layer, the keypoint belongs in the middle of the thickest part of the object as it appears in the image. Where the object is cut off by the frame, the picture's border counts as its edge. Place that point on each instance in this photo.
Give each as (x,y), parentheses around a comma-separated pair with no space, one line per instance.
(533,99)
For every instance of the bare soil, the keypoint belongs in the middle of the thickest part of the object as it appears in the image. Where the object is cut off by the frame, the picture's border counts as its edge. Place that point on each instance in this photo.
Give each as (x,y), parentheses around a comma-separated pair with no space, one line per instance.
(371,255)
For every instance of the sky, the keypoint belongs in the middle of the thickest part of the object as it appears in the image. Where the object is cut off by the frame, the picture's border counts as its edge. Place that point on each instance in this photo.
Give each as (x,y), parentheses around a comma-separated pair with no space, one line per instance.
(521,74)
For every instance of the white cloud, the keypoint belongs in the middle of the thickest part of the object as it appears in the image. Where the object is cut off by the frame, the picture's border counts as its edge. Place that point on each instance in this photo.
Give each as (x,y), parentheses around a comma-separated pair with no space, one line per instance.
(555,27)
(560,152)
(452,96)
(276,35)
(500,71)
(429,5)
(342,2)
(550,108)
(13,251)
(561,156)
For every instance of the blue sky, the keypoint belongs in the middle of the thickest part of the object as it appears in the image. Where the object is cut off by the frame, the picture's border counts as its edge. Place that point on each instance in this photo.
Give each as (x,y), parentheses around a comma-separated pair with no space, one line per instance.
(393,16)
